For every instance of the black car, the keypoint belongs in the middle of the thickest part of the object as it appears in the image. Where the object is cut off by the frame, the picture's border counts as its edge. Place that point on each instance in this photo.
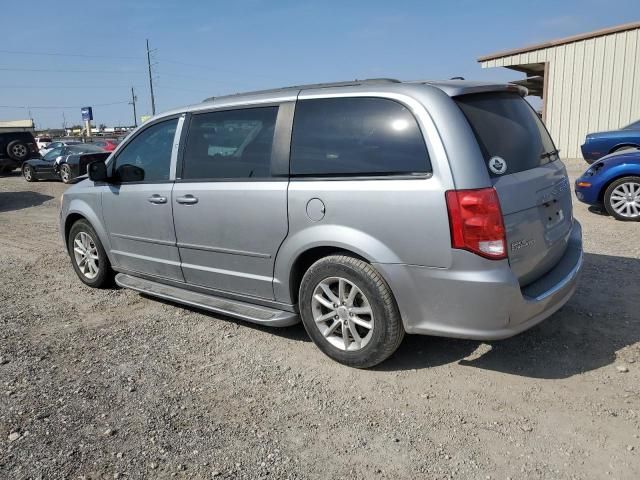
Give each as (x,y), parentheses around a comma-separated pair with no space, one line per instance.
(15,148)
(63,163)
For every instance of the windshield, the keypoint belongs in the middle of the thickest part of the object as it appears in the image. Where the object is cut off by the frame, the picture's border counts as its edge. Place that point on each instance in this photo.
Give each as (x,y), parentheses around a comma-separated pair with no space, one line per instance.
(509,132)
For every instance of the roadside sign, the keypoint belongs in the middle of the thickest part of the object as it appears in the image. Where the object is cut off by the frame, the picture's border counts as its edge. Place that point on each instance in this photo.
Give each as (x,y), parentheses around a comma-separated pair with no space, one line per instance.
(87,113)
(144,118)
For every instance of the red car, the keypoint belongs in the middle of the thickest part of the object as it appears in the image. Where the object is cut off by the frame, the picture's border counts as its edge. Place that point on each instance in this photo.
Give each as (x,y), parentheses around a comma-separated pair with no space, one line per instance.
(106,145)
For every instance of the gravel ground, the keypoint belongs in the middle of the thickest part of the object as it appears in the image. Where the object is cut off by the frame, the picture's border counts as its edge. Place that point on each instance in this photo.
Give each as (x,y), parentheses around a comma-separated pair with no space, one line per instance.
(112,384)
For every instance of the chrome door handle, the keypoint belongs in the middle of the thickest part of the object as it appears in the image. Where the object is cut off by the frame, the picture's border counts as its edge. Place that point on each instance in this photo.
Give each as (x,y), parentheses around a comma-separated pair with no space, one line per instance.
(157,199)
(187,200)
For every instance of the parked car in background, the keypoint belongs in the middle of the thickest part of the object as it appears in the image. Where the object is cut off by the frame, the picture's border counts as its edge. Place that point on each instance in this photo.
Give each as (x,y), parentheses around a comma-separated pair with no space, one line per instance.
(386,207)
(15,148)
(63,163)
(58,144)
(614,183)
(597,145)
(43,142)
(108,145)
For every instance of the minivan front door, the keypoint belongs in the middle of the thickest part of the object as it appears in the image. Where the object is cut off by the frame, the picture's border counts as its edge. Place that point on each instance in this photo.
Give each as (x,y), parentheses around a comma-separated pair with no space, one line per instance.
(230,211)
(137,206)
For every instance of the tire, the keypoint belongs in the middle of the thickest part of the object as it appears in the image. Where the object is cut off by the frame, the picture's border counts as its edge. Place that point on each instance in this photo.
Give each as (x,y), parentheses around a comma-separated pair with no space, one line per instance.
(622,199)
(83,236)
(29,173)
(18,150)
(385,332)
(65,173)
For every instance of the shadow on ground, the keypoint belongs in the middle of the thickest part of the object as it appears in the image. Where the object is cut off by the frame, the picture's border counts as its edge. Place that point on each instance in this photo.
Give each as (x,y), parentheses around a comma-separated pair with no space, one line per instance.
(601,318)
(10,201)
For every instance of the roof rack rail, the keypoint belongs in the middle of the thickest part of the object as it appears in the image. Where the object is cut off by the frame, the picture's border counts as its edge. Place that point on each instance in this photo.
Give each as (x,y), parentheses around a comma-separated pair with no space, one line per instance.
(309,86)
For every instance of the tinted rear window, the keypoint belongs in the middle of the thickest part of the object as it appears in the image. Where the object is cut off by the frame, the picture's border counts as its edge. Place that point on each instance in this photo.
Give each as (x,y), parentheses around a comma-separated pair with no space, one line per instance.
(356,136)
(507,127)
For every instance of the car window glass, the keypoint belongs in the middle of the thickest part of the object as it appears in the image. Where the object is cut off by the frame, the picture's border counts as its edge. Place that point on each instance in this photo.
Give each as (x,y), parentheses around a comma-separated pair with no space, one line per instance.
(356,136)
(151,151)
(52,154)
(230,144)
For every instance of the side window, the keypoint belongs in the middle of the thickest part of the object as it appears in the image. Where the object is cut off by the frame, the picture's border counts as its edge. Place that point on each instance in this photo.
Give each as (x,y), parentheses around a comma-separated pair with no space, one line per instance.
(151,151)
(356,136)
(230,144)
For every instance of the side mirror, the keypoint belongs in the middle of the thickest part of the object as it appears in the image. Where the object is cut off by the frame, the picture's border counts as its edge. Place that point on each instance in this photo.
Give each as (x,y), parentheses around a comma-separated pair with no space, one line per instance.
(97,171)
(129,173)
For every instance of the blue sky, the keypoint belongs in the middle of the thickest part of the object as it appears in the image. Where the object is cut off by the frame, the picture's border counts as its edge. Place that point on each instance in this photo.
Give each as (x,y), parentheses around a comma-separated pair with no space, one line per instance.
(205,48)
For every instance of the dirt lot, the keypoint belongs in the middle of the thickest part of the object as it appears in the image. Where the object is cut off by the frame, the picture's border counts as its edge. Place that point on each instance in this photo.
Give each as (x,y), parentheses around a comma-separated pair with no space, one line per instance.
(111,384)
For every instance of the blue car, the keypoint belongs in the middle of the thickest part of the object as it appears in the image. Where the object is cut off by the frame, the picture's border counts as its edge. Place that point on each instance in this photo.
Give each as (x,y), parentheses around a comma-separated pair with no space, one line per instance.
(613,182)
(599,144)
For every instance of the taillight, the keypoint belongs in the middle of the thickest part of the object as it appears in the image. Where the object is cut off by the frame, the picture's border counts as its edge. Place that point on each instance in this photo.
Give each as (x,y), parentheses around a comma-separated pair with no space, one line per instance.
(476,222)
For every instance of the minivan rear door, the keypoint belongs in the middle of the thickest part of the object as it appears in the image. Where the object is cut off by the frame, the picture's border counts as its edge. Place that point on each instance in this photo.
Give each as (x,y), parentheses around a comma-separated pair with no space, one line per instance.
(230,197)
(529,177)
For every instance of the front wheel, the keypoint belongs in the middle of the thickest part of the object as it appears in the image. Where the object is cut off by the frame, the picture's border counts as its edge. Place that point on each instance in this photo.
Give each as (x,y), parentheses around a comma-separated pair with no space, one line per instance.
(349,311)
(622,199)
(88,257)
(28,173)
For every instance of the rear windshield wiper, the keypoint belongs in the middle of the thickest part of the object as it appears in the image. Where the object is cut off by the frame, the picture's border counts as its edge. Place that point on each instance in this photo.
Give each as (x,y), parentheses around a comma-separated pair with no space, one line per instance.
(550,154)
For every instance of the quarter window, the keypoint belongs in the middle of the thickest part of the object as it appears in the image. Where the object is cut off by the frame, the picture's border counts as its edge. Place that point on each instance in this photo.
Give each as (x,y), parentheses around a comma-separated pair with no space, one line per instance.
(230,144)
(356,136)
(151,151)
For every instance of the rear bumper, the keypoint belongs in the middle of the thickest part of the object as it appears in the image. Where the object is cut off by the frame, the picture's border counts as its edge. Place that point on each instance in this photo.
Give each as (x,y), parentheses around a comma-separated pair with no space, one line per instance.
(478,298)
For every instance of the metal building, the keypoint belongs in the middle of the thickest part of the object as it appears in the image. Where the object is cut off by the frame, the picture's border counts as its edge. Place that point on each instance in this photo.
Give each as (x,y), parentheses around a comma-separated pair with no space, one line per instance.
(588,83)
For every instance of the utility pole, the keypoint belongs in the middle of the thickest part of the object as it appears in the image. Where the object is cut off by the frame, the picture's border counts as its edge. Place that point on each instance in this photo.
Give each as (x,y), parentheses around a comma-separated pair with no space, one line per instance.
(153,100)
(133,102)
(64,123)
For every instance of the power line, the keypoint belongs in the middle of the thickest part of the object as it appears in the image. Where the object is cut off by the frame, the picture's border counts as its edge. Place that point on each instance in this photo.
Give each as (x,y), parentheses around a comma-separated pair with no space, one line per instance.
(54,87)
(60,107)
(51,54)
(120,72)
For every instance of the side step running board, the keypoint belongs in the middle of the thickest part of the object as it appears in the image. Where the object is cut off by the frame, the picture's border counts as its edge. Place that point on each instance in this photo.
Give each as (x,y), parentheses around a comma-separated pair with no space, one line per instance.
(233,308)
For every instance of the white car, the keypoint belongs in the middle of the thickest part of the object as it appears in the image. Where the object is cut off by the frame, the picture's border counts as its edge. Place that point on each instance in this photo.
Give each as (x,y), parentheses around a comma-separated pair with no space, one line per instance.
(42,142)
(53,145)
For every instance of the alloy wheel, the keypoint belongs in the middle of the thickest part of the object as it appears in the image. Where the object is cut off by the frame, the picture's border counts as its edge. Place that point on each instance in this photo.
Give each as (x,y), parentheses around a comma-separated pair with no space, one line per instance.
(625,199)
(85,254)
(342,313)
(65,174)
(28,174)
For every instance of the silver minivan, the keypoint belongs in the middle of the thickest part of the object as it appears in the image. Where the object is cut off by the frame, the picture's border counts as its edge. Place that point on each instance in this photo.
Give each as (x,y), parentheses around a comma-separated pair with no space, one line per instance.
(366,209)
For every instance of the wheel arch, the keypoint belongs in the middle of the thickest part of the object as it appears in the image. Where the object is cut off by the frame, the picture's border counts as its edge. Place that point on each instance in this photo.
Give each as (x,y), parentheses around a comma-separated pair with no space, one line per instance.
(622,145)
(617,176)
(307,258)
(79,210)
(301,250)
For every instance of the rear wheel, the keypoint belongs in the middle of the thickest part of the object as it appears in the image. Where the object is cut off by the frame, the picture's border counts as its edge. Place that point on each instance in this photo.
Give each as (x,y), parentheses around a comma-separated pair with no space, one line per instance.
(88,257)
(28,173)
(65,173)
(349,312)
(622,199)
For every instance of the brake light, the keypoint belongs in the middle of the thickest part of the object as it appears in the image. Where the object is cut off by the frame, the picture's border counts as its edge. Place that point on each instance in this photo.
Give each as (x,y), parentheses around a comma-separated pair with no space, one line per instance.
(476,224)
